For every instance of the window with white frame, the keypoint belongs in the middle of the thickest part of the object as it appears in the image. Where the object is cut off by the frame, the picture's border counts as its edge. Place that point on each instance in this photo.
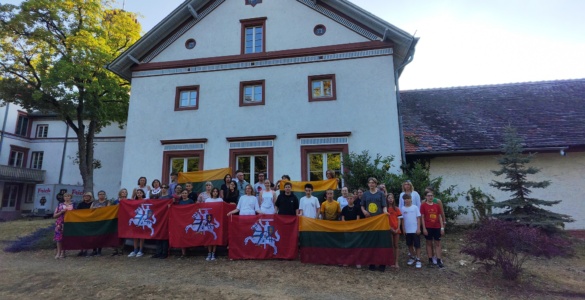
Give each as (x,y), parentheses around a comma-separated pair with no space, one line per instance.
(42,130)
(16,158)
(37,160)
(253,35)
(251,165)
(252,93)
(319,163)
(187,97)
(322,88)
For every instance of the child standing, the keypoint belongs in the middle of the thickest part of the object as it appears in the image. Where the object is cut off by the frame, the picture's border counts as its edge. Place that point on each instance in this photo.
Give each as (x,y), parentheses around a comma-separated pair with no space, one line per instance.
(433,228)
(184,201)
(411,230)
(214,198)
(351,211)
(330,208)
(395,217)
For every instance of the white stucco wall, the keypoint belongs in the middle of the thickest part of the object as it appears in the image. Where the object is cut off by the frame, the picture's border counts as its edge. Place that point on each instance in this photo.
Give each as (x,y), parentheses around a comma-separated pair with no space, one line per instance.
(564,172)
(289,26)
(365,105)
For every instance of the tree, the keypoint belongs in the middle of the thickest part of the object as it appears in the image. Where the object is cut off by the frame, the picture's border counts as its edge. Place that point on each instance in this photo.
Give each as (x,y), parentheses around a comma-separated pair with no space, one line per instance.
(53,57)
(521,208)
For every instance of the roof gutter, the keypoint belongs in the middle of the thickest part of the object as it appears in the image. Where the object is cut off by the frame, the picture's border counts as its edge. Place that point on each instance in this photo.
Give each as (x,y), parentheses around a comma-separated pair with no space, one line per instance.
(487,151)
(397,72)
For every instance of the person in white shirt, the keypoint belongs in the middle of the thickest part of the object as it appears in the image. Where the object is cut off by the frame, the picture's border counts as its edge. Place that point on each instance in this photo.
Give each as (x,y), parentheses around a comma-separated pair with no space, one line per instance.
(259,186)
(309,205)
(248,204)
(408,188)
(214,198)
(343,199)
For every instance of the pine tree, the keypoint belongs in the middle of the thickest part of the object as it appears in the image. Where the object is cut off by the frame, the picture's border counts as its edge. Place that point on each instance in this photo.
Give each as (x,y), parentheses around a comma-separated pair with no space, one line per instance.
(520,207)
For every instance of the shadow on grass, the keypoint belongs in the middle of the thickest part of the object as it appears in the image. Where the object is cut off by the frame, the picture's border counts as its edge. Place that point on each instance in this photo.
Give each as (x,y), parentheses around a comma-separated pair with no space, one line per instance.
(40,239)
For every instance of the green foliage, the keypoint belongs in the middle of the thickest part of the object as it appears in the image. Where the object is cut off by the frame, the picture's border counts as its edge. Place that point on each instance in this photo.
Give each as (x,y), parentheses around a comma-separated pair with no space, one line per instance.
(361,166)
(521,208)
(482,203)
(53,57)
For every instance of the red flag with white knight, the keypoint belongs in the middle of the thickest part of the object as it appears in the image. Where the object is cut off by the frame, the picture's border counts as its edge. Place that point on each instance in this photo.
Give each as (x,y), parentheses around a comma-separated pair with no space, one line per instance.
(263,237)
(144,219)
(201,224)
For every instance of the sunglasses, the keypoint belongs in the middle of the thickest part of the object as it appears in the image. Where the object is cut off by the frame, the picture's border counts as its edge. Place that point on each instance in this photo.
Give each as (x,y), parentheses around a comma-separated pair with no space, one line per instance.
(165,187)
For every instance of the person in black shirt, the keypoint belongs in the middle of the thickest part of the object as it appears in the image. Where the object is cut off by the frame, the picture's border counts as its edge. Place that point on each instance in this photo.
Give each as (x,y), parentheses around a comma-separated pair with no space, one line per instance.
(287,203)
(350,212)
(85,204)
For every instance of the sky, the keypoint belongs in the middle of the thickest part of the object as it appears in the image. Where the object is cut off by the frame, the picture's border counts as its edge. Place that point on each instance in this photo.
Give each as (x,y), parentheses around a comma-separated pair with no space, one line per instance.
(465,42)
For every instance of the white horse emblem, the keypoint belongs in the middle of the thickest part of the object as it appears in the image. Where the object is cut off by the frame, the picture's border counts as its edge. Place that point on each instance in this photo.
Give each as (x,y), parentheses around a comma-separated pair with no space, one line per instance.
(203,222)
(263,235)
(144,218)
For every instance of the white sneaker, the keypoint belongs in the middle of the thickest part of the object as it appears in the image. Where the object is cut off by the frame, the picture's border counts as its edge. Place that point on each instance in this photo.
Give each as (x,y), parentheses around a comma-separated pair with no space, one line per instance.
(132,254)
(418,264)
(208,256)
(212,256)
(434,260)
(139,254)
(410,261)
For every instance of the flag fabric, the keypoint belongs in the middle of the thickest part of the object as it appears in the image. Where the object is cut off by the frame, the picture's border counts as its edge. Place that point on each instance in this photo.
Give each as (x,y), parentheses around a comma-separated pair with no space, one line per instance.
(361,242)
(144,219)
(319,187)
(202,224)
(199,178)
(91,228)
(263,237)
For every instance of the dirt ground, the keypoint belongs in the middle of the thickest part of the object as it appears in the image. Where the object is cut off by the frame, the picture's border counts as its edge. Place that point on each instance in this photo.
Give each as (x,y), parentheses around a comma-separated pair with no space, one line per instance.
(29,275)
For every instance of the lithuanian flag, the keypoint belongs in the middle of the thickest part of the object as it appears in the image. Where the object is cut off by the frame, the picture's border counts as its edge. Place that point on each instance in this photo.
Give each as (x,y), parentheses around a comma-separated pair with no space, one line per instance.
(199,178)
(319,187)
(361,242)
(91,228)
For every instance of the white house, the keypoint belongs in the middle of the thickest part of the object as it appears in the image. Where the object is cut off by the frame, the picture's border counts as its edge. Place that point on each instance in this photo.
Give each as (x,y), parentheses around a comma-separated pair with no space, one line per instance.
(39,148)
(283,87)
(459,131)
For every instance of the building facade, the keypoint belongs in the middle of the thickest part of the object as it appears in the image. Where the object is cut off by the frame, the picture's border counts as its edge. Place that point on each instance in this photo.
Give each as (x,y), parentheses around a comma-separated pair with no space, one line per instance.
(283,87)
(37,148)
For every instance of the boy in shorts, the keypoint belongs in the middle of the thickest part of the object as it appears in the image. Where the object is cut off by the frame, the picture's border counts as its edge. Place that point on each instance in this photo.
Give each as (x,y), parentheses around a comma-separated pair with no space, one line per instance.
(411,229)
(433,228)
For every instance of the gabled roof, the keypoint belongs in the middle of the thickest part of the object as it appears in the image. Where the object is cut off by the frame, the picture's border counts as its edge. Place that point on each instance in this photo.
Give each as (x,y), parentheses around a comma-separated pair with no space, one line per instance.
(182,18)
(546,114)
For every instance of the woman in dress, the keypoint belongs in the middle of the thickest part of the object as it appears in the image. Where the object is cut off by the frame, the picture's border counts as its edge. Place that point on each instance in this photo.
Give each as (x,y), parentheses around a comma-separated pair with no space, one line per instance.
(206,194)
(154,193)
(232,195)
(214,198)
(225,186)
(248,204)
(140,195)
(59,213)
(267,198)
(143,186)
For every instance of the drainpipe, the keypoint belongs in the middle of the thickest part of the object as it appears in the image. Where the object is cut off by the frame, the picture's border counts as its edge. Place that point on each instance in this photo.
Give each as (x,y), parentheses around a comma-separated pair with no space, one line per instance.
(4,126)
(410,56)
(64,150)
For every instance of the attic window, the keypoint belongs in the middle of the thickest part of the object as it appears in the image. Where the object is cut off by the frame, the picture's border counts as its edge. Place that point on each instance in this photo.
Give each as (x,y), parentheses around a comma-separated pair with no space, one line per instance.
(190,44)
(319,30)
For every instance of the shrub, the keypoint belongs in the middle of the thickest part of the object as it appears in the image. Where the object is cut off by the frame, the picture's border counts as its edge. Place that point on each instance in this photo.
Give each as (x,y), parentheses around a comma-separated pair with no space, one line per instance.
(506,245)
(482,203)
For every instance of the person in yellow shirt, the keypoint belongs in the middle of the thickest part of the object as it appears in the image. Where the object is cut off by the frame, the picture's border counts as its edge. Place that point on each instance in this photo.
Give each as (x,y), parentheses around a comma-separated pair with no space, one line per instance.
(330,209)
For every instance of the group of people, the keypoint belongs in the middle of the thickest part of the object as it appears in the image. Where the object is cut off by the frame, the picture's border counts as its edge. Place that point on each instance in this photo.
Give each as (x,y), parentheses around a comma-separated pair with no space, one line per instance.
(410,217)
